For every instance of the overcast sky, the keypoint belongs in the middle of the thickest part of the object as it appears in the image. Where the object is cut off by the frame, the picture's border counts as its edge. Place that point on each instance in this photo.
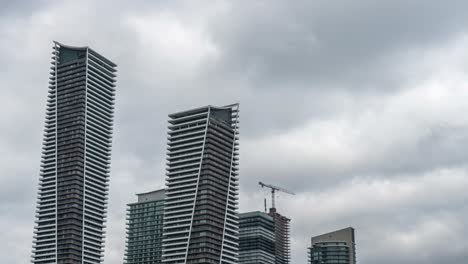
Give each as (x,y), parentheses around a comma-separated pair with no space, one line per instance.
(360,107)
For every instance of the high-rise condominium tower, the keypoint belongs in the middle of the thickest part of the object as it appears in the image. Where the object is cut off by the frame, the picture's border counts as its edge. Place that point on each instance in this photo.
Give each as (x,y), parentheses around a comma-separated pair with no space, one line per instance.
(200,215)
(334,247)
(73,184)
(144,229)
(282,247)
(256,238)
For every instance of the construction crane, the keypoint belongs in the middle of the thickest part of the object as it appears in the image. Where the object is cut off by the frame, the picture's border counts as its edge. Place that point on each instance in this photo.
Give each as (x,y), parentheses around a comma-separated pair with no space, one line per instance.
(273,190)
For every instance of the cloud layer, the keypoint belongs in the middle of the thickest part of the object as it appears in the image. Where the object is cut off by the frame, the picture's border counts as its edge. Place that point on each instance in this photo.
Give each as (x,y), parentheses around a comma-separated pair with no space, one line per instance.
(359,107)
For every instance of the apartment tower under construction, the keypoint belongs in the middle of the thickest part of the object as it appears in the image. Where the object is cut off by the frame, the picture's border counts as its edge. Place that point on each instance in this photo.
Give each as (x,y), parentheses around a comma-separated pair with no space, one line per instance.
(282,244)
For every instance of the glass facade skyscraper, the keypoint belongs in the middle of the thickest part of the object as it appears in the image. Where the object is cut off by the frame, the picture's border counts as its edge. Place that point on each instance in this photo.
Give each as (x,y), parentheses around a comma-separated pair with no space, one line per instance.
(200,215)
(144,229)
(75,165)
(336,247)
(256,238)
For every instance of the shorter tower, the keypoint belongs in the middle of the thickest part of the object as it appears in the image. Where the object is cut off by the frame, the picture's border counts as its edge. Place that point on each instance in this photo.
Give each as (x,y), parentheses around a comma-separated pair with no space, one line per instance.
(144,228)
(281,228)
(200,215)
(256,238)
(334,247)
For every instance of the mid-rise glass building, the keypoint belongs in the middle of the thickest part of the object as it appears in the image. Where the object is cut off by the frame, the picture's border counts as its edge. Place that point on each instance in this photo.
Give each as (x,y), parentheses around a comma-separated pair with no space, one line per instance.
(144,229)
(256,238)
(336,247)
(75,164)
(200,215)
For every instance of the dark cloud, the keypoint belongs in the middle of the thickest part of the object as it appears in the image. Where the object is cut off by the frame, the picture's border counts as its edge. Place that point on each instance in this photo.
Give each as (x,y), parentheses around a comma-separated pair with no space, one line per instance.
(357,106)
(20,7)
(307,43)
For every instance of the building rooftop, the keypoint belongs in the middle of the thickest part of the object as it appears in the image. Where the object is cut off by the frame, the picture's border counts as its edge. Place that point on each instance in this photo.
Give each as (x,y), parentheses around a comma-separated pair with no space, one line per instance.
(201,110)
(345,234)
(84,48)
(255,213)
(152,196)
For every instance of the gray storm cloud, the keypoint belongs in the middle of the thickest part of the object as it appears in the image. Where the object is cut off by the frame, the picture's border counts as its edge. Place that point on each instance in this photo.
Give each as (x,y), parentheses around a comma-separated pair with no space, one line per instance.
(358,106)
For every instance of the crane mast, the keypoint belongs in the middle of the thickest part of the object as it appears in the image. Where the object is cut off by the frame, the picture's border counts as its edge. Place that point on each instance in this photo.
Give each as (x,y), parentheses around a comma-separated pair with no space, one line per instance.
(273,191)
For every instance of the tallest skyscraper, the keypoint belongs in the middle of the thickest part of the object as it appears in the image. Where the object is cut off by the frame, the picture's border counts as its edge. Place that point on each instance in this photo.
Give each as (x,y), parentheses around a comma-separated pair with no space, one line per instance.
(73,184)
